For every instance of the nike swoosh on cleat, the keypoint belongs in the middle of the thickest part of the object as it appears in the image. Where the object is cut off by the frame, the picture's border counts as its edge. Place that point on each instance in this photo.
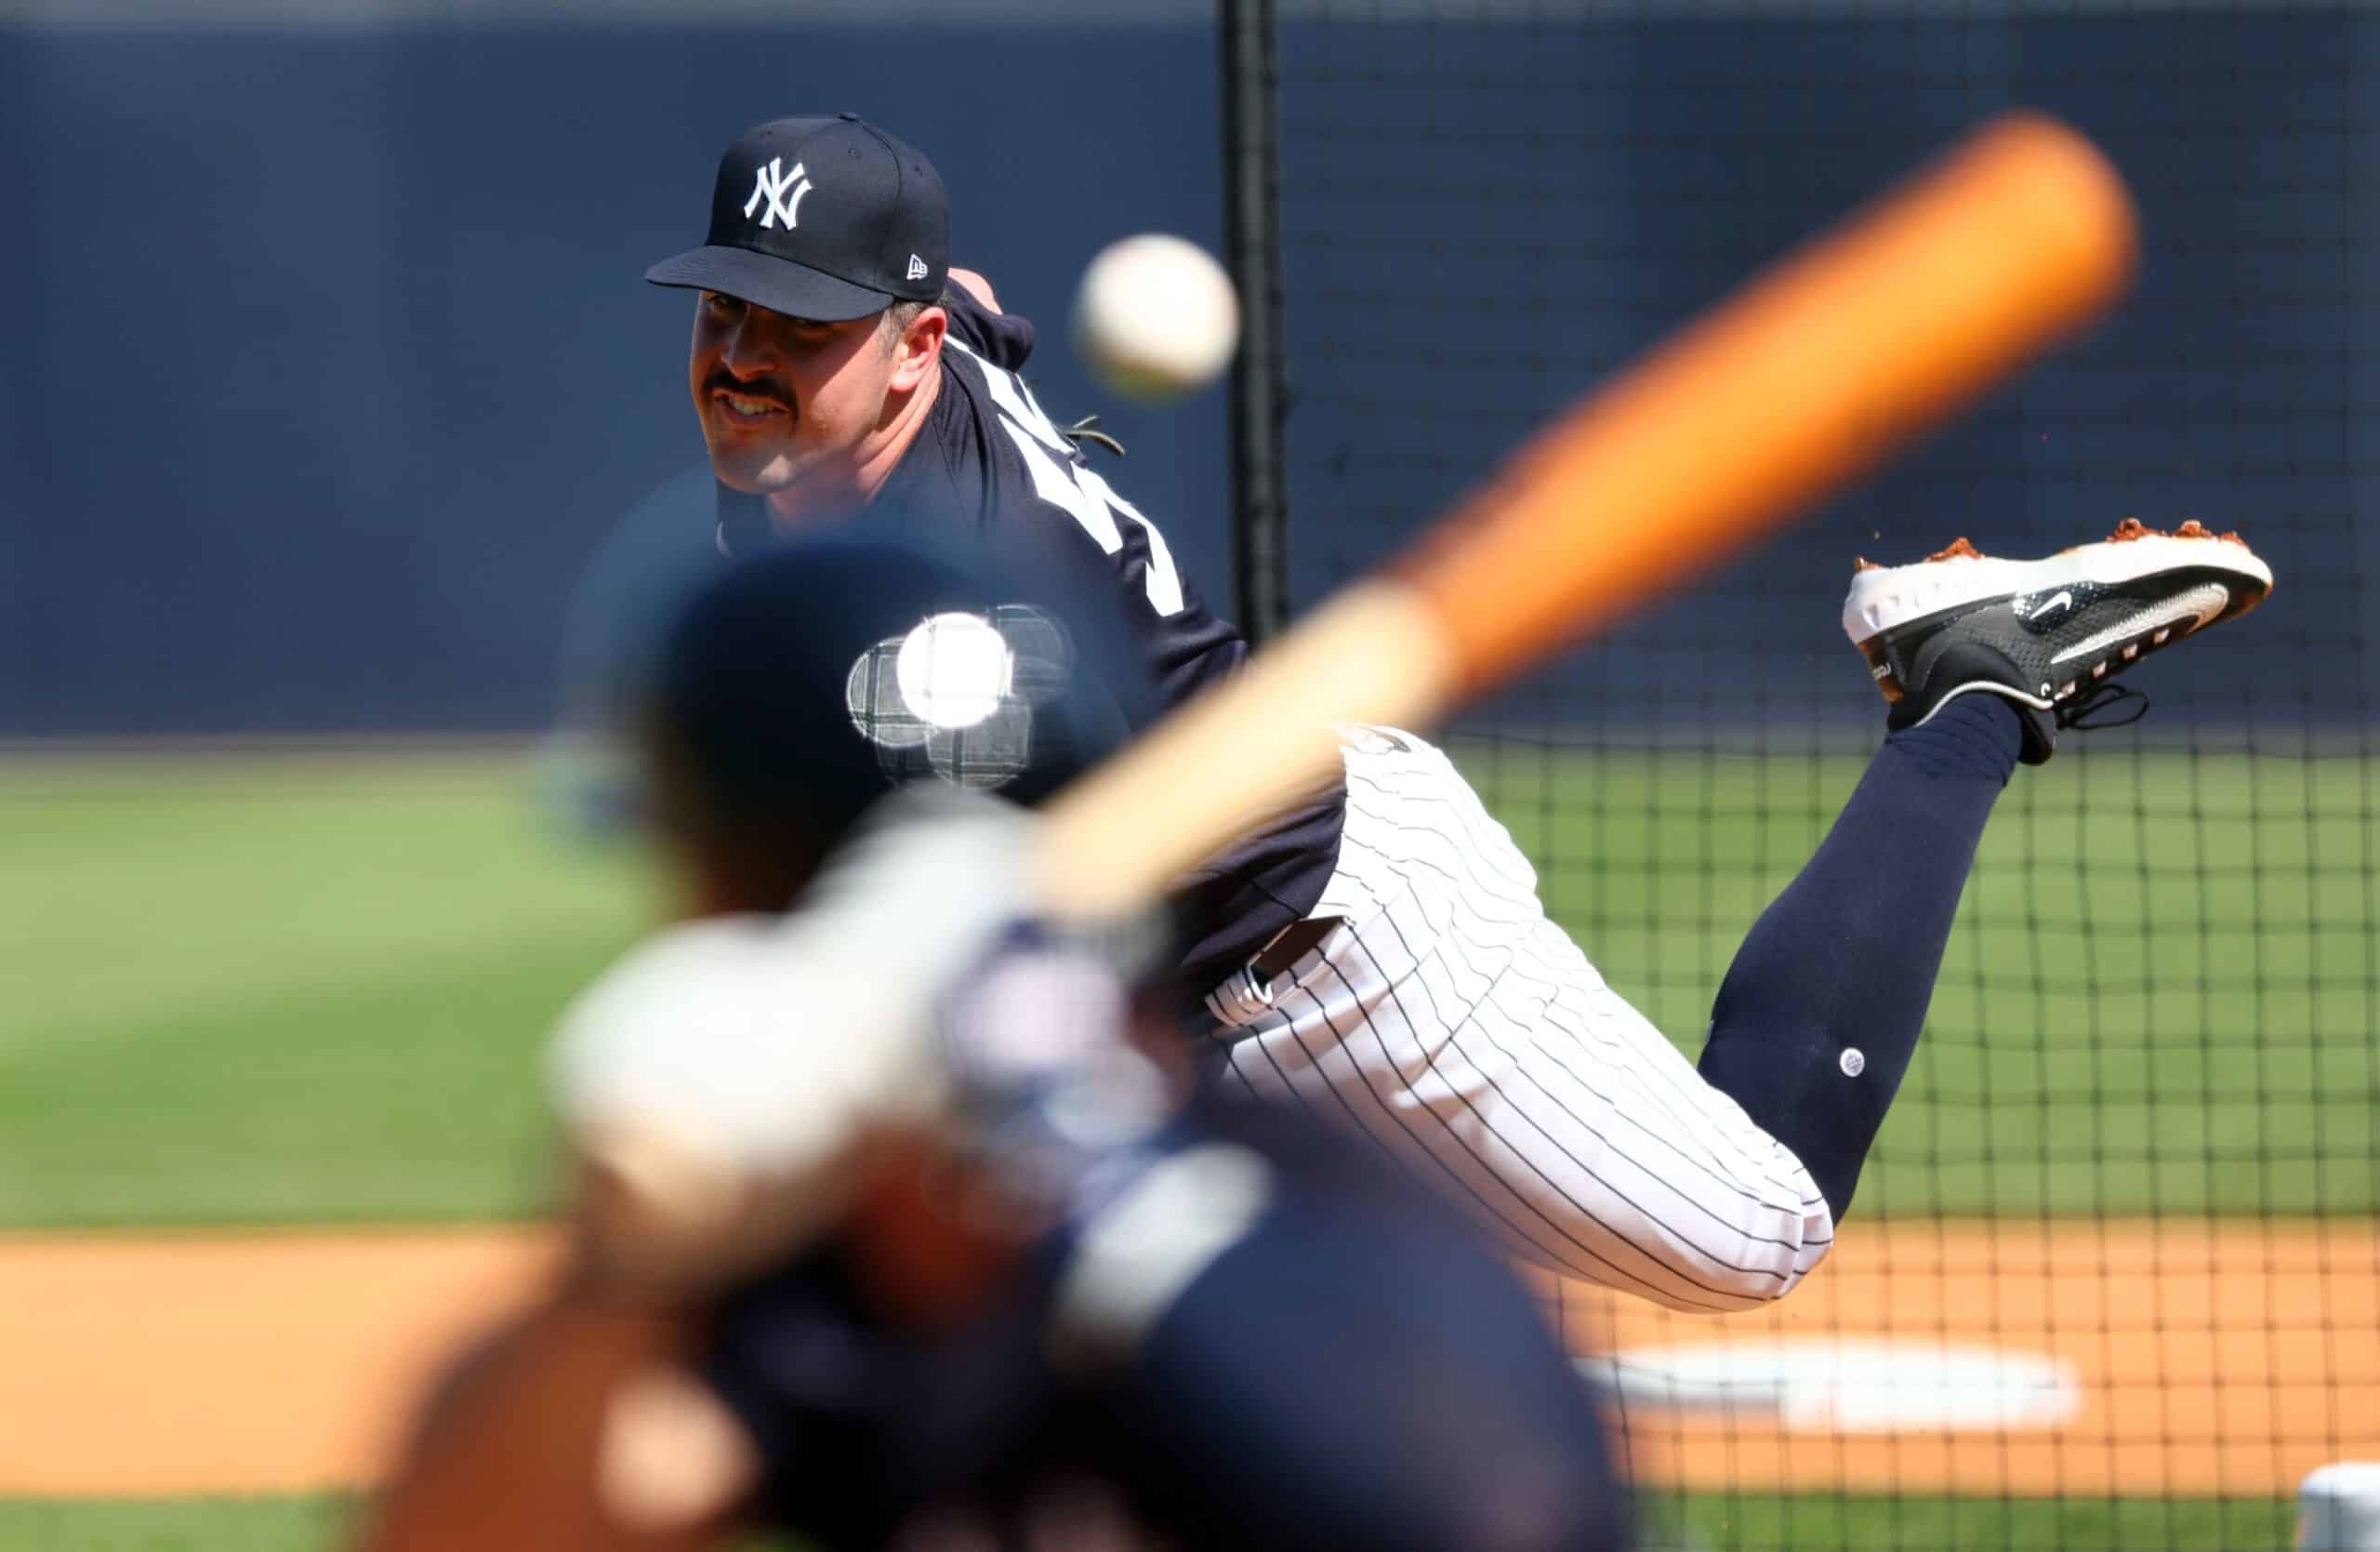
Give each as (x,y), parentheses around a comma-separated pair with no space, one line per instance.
(2064,600)
(2205,600)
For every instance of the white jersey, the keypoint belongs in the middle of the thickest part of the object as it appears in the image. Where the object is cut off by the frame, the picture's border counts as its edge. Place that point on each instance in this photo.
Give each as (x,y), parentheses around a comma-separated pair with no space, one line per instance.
(1450,1020)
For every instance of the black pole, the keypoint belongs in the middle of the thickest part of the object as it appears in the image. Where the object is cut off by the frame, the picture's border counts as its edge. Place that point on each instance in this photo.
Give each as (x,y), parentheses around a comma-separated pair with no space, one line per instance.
(1252,249)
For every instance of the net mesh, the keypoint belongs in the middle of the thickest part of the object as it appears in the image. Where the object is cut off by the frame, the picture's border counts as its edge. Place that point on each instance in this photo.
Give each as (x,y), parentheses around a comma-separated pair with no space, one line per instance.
(2137,1151)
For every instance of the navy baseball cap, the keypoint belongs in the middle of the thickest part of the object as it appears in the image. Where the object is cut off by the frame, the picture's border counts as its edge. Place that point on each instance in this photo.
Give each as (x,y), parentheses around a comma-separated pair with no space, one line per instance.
(818,674)
(824,219)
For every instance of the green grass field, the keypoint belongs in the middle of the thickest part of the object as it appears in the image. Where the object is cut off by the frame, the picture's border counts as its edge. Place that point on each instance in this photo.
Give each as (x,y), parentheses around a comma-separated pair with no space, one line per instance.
(308,991)
(174,1525)
(190,1525)
(1747,1524)
(314,991)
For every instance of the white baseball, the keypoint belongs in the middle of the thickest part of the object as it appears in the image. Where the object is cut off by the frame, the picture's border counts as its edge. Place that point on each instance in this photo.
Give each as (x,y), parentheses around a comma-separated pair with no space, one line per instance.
(1156,318)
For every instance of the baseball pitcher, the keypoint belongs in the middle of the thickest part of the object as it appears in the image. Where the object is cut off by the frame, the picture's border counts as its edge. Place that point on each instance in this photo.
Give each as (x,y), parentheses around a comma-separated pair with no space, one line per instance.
(1380,956)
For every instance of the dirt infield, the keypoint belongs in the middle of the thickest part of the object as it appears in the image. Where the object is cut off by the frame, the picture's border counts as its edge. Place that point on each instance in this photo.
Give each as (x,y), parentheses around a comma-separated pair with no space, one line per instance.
(2208,1358)
(203,1363)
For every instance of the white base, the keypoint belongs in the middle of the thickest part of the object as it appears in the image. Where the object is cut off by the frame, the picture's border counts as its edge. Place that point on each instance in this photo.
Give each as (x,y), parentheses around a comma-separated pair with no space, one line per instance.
(1846,1385)
(2338,1509)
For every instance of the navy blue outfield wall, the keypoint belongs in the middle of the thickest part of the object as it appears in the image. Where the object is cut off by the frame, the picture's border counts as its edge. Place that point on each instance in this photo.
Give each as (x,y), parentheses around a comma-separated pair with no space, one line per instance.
(1477,219)
(325,366)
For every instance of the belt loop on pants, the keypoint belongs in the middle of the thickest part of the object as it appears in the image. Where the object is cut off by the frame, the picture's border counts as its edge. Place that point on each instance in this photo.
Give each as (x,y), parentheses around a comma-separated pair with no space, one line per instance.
(1242,999)
(1247,994)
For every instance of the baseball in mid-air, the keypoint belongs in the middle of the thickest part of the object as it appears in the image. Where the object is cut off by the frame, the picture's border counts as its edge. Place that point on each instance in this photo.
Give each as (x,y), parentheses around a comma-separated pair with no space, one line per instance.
(1156,318)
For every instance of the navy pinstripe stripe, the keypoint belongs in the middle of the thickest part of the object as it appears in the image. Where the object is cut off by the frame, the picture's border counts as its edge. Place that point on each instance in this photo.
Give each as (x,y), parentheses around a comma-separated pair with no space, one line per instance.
(1514,1126)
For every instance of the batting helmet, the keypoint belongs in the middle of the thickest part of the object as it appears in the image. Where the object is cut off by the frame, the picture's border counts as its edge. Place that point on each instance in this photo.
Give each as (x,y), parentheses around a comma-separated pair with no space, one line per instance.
(821,672)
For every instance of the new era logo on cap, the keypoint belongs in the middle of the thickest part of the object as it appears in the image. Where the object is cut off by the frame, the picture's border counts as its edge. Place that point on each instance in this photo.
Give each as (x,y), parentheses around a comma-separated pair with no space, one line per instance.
(824,219)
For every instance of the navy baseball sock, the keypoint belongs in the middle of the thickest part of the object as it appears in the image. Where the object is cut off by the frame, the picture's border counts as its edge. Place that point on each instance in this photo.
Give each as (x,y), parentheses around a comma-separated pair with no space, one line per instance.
(1814,1025)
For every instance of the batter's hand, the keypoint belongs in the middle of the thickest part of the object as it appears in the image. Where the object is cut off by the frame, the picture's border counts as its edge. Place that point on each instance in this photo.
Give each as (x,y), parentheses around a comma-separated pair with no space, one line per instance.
(724,1081)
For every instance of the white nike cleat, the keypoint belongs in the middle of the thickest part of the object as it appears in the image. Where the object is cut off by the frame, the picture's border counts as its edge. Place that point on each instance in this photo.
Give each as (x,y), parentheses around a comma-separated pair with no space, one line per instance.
(2045,635)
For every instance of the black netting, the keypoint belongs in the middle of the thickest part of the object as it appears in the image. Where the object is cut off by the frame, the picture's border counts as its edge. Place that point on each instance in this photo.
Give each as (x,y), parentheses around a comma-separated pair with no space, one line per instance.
(2138,1141)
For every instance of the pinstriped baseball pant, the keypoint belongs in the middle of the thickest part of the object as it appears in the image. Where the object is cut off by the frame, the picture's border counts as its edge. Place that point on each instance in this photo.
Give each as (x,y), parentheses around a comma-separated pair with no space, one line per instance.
(1450,1020)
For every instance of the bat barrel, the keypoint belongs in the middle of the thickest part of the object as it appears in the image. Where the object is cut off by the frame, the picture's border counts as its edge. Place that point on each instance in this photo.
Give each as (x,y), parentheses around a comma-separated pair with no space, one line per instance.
(1800,381)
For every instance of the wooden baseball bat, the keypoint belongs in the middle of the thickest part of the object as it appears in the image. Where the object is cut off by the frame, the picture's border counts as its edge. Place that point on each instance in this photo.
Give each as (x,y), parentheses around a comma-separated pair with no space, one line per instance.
(1798,383)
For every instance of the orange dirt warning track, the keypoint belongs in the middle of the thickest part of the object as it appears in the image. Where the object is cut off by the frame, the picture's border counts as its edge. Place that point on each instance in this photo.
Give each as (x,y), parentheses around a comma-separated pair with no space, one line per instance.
(2208,1358)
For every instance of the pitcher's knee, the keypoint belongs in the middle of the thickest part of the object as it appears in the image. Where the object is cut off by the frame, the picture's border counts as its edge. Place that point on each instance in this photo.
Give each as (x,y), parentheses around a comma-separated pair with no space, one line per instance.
(1752,1264)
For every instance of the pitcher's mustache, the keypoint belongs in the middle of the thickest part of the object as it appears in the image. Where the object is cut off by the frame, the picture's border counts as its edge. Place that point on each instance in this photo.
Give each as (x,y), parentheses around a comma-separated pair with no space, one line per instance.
(751,388)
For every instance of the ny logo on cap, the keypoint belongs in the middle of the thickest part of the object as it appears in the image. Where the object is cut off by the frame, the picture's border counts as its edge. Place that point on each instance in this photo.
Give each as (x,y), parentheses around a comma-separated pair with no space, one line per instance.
(772,184)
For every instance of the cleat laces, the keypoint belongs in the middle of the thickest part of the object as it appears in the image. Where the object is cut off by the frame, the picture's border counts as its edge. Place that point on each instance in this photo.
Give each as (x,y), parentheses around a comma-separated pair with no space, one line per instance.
(2082,714)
